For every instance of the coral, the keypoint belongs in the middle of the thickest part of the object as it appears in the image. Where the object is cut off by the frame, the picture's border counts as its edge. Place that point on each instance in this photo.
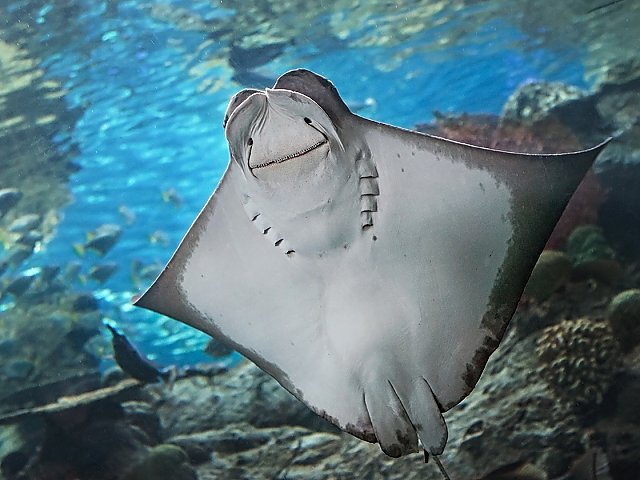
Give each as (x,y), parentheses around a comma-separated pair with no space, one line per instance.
(624,317)
(591,254)
(578,359)
(551,271)
(548,136)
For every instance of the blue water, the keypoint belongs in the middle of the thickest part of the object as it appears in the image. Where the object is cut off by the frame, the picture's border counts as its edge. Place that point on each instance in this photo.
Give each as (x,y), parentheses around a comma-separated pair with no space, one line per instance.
(147,128)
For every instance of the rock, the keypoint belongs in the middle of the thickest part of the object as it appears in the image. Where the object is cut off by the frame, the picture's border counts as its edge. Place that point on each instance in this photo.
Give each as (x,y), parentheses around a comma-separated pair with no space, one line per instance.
(552,270)
(540,103)
(231,439)
(619,213)
(624,317)
(625,395)
(163,462)
(18,369)
(617,94)
(533,101)
(102,446)
(619,74)
(622,108)
(143,415)
(13,463)
(623,445)
(244,394)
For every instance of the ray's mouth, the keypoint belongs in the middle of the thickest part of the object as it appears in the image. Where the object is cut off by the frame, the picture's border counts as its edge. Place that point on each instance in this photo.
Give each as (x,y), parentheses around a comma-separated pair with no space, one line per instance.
(291,156)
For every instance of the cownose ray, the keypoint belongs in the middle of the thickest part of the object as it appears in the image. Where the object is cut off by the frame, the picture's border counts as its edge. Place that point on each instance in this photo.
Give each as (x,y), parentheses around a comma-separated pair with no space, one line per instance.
(371,270)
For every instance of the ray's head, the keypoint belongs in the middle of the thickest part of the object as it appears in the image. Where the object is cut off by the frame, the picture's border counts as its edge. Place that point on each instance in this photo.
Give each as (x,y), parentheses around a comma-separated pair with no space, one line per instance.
(289,134)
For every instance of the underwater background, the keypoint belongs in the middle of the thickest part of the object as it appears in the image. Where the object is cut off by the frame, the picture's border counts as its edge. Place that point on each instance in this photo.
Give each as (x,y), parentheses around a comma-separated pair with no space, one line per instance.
(111,141)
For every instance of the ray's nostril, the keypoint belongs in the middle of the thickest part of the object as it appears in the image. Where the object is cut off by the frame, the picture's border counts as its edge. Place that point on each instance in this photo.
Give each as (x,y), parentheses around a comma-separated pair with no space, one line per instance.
(307,120)
(250,141)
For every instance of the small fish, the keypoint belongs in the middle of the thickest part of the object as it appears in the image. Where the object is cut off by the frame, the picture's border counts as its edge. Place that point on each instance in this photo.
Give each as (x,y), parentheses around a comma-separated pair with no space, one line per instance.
(9,197)
(19,254)
(367,103)
(142,274)
(242,58)
(31,238)
(101,240)
(172,196)
(72,271)
(19,285)
(159,238)
(131,361)
(127,214)
(24,223)
(102,272)
(217,349)
(48,273)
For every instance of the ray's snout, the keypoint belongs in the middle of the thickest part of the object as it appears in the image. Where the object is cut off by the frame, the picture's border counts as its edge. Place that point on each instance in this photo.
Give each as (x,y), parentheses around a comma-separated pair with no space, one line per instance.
(266,146)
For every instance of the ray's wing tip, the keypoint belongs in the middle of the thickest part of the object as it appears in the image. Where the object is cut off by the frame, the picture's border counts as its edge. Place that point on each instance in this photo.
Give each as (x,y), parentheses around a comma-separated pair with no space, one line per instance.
(149,299)
(141,300)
